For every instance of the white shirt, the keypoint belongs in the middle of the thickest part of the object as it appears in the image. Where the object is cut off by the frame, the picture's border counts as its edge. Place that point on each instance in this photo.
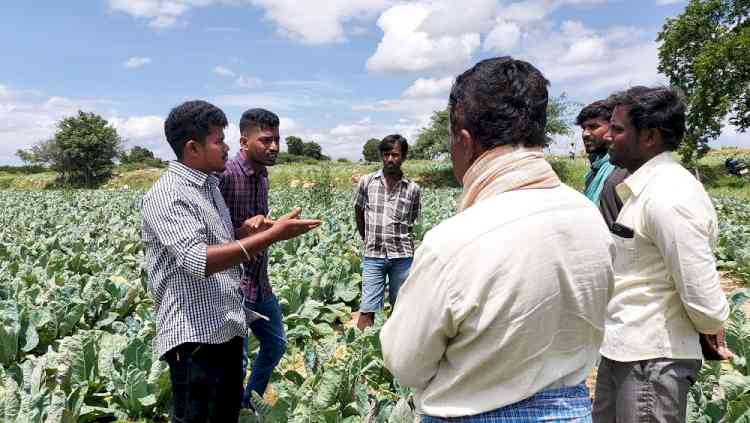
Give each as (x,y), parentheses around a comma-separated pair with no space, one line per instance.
(666,284)
(503,300)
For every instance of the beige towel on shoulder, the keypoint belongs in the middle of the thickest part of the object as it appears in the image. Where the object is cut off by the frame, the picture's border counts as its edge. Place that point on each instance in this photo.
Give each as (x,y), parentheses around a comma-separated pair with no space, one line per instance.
(506,168)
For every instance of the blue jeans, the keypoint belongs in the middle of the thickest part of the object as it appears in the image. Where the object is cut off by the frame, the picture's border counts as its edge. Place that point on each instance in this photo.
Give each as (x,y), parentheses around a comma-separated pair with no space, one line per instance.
(569,404)
(374,271)
(272,340)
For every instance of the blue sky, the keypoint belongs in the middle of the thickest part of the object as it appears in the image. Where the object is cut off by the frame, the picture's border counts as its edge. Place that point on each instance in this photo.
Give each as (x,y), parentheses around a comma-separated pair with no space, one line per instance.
(337,71)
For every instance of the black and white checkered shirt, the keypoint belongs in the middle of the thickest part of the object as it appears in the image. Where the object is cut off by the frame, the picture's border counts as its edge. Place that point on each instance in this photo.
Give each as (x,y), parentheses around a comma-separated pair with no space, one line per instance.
(184,213)
(389,216)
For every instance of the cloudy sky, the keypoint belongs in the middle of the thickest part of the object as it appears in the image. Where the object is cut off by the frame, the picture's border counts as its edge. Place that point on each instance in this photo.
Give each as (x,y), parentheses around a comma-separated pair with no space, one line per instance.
(337,71)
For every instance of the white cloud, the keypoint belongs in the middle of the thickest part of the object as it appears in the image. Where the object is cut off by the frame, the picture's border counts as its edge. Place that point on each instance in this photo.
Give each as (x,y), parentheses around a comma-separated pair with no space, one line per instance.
(287,124)
(406,48)
(224,71)
(503,38)
(449,17)
(665,2)
(4,91)
(26,119)
(320,22)
(247,82)
(160,14)
(585,61)
(136,62)
(347,139)
(428,87)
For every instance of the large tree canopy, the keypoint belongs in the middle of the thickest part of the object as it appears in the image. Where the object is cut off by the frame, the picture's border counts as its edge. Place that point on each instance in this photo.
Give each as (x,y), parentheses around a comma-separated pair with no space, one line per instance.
(704,52)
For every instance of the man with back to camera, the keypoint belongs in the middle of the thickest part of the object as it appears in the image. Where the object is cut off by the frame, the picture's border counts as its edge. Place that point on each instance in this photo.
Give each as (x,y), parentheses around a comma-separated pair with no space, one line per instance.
(192,257)
(386,207)
(502,316)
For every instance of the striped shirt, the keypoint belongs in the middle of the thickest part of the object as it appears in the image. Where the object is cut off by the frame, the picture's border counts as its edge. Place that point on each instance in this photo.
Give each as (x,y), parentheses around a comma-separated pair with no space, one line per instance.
(246,194)
(389,216)
(183,213)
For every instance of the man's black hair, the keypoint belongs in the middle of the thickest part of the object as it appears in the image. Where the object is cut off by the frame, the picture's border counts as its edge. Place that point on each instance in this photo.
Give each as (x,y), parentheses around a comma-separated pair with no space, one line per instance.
(192,120)
(659,108)
(258,118)
(601,109)
(501,101)
(390,140)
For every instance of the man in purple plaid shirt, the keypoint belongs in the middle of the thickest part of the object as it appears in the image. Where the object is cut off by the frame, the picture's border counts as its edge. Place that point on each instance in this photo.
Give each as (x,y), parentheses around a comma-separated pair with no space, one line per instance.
(244,185)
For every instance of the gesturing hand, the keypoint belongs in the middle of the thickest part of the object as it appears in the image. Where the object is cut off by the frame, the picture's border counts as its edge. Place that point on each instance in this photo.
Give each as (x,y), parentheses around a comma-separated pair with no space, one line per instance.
(290,225)
(254,225)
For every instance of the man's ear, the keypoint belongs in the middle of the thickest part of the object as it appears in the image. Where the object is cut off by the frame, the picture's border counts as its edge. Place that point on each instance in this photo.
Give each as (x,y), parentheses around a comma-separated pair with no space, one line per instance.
(651,138)
(468,144)
(190,149)
(243,142)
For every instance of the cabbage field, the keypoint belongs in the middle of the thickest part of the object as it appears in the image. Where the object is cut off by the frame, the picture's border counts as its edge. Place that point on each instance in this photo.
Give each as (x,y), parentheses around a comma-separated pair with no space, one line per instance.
(76,321)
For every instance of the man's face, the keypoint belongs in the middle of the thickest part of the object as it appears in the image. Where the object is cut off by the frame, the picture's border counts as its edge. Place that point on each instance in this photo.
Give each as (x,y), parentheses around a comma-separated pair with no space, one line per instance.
(392,159)
(625,148)
(594,131)
(214,152)
(261,145)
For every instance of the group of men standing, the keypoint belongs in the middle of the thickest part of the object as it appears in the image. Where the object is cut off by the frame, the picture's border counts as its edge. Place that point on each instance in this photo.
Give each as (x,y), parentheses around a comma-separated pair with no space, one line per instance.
(505,308)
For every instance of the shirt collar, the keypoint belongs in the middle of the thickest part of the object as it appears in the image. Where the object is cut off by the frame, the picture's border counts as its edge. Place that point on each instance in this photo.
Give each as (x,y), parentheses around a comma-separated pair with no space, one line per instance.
(404,179)
(193,176)
(635,183)
(247,167)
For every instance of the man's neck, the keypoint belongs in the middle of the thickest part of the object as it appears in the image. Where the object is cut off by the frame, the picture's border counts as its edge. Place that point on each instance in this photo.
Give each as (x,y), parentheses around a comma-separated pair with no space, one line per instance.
(255,166)
(393,177)
(596,155)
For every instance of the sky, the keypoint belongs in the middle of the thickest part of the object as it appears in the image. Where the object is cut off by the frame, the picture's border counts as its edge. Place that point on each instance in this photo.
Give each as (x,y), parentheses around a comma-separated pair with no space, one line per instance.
(337,72)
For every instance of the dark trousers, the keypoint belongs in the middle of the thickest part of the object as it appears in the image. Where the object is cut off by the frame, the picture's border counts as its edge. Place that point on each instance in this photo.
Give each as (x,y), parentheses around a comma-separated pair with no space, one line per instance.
(206,381)
(643,391)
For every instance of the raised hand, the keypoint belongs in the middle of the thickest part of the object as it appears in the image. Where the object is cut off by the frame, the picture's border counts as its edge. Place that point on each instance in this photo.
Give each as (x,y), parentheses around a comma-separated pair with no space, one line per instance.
(254,225)
(290,225)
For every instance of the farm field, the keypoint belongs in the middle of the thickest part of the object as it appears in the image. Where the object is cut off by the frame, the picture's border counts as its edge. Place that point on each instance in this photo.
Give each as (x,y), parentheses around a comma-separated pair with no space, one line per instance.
(76,322)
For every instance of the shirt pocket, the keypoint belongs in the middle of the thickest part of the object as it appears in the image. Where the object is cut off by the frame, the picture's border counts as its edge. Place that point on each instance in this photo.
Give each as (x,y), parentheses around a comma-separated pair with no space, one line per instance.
(401,213)
(625,254)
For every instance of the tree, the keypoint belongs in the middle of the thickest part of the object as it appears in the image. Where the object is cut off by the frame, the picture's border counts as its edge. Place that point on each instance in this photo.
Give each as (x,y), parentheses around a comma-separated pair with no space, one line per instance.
(370,151)
(137,154)
(704,52)
(294,145)
(559,116)
(432,141)
(312,149)
(82,150)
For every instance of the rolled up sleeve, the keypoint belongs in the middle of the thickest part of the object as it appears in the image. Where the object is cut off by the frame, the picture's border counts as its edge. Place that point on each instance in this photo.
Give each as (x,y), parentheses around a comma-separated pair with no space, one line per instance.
(415,337)
(683,236)
(178,228)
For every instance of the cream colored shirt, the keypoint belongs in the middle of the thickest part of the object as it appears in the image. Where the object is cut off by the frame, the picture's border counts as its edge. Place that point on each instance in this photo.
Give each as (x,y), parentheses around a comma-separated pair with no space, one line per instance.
(666,285)
(503,300)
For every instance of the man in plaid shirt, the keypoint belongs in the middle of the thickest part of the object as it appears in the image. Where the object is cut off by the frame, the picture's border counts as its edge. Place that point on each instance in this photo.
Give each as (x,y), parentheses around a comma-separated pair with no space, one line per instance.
(192,260)
(386,208)
(244,185)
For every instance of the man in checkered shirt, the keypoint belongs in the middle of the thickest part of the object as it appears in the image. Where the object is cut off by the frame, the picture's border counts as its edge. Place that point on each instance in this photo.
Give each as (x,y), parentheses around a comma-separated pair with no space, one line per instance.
(386,208)
(192,260)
